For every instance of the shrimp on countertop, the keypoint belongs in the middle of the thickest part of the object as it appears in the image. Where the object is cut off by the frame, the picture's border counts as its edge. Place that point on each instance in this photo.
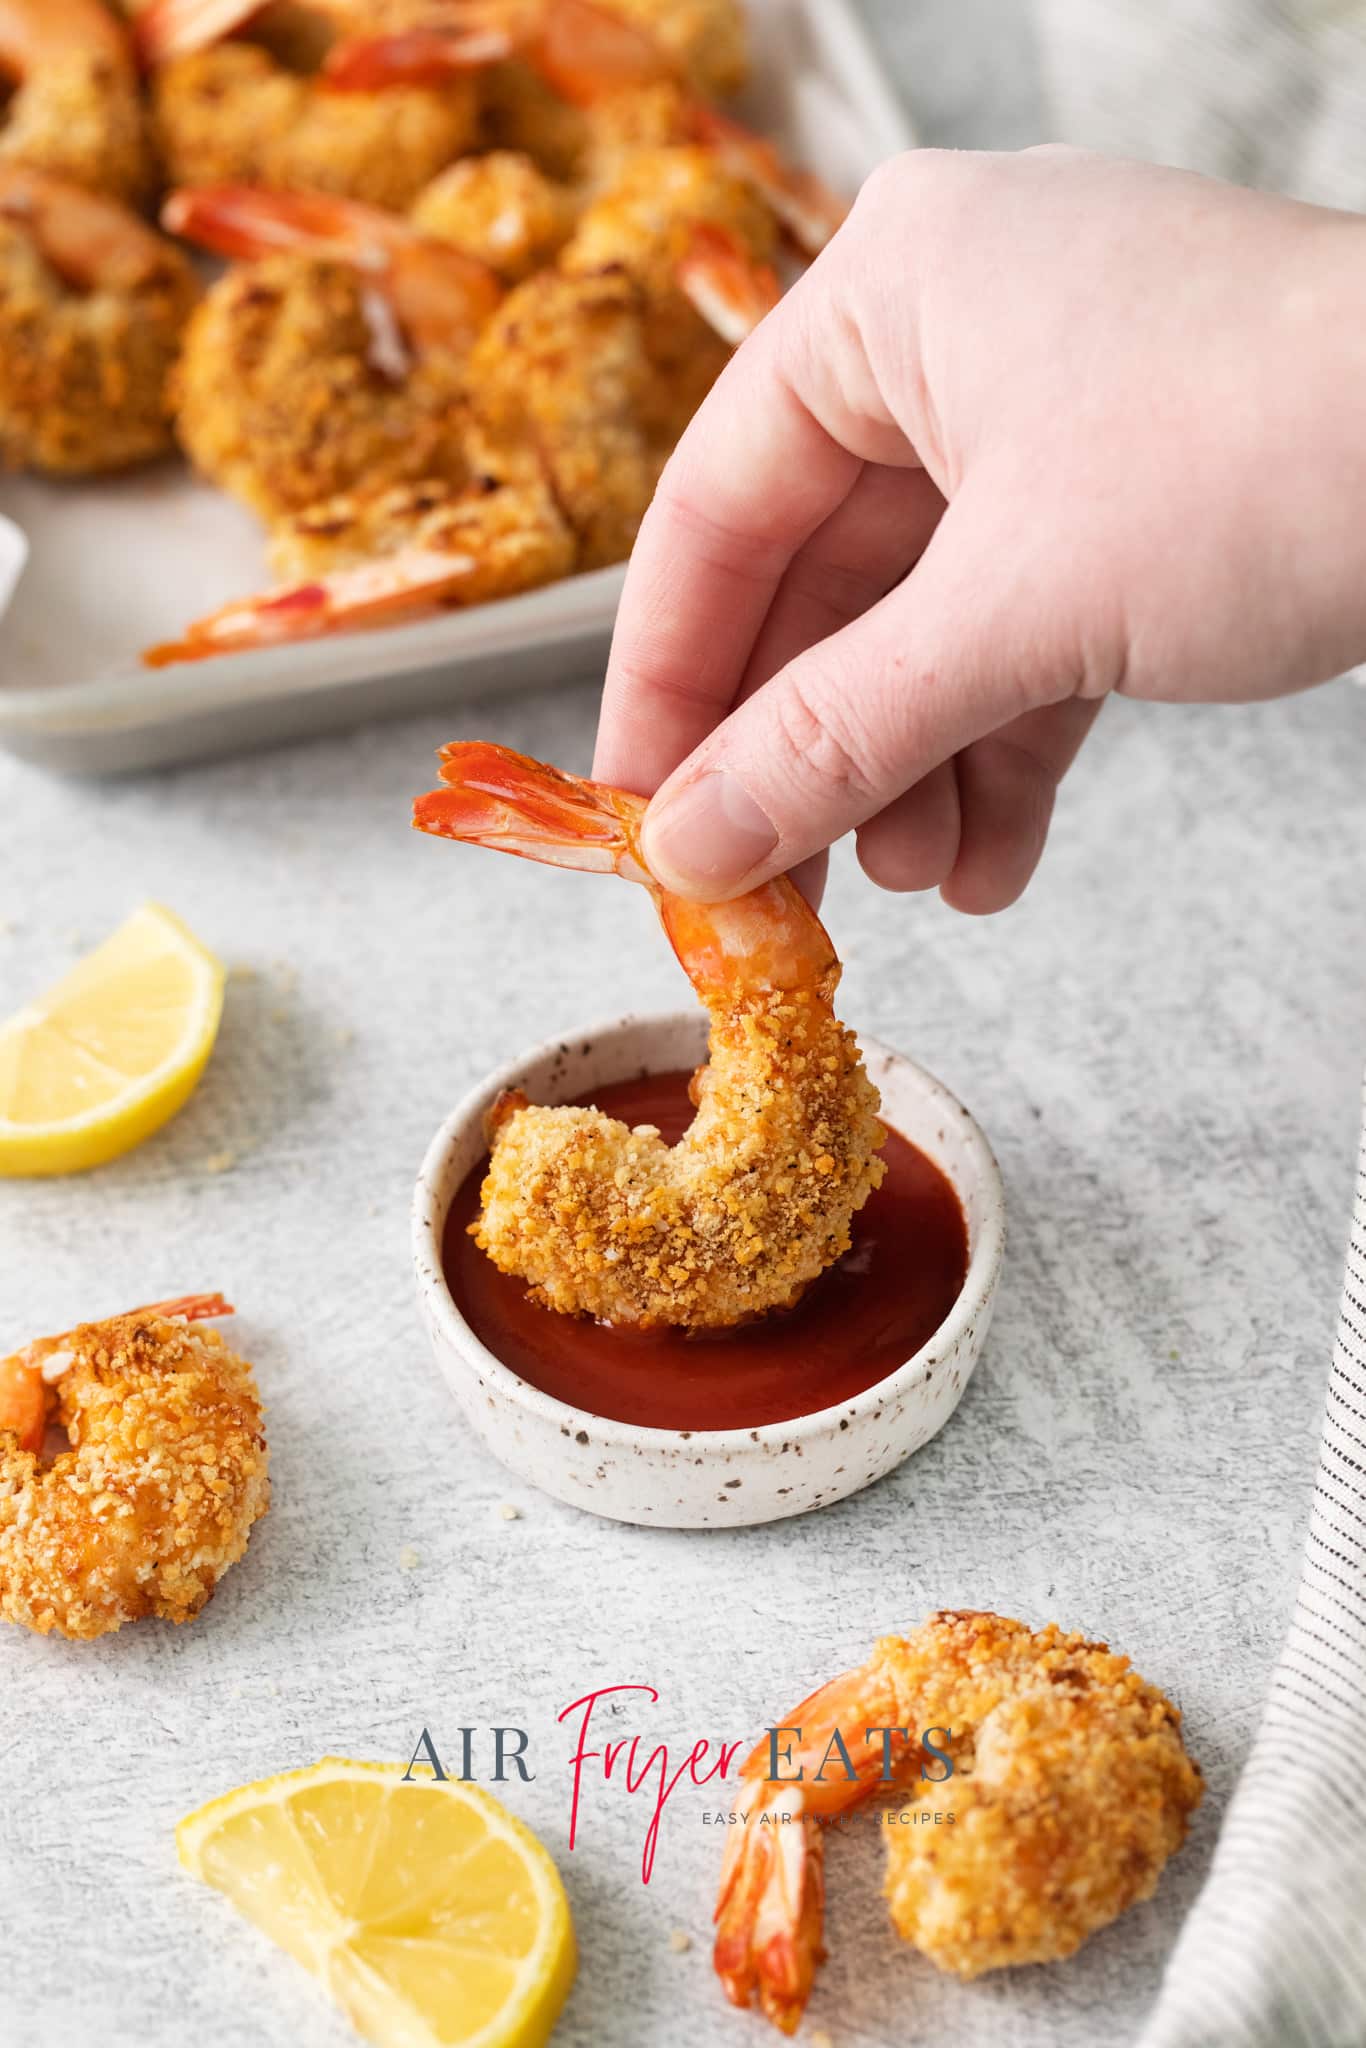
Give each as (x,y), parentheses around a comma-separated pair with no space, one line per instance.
(334,359)
(757,1198)
(92,306)
(231,111)
(1071,1789)
(165,1474)
(74,108)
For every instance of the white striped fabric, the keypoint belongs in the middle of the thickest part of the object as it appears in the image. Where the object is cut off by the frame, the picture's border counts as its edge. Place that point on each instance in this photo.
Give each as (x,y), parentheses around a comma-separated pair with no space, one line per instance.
(1266,92)
(1274,1953)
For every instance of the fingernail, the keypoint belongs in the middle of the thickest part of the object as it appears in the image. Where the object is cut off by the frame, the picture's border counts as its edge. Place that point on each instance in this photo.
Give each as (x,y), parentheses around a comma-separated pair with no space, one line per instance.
(707,838)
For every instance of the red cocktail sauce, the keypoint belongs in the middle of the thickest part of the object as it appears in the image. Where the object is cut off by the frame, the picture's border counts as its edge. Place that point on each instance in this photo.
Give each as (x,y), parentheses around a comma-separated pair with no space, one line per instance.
(858,1322)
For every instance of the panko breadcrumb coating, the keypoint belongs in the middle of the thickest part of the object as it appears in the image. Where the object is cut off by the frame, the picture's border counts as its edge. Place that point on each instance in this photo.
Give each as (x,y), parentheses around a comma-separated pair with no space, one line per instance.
(231,115)
(289,391)
(166,1473)
(92,307)
(505,521)
(563,368)
(74,108)
(757,1197)
(1071,1788)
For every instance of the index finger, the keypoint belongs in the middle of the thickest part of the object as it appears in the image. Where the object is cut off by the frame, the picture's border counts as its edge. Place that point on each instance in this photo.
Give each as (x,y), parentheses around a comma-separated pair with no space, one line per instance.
(753,477)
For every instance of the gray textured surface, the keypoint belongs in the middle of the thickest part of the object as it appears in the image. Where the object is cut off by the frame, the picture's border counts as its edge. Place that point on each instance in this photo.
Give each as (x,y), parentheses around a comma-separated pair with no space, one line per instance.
(1163,1040)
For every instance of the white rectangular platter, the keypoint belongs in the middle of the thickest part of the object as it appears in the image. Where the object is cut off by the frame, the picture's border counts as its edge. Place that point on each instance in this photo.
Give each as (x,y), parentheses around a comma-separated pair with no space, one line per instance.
(91,573)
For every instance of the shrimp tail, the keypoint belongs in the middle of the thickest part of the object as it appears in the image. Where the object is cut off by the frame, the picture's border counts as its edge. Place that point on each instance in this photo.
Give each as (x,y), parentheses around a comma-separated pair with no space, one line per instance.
(728,288)
(174,28)
(767,939)
(414,56)
(582,52)
(507,801)
(193,1307)
(770,1913)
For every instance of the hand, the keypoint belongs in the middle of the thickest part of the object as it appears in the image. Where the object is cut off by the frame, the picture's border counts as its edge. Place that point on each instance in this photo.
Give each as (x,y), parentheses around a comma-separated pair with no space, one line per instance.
(1033,429)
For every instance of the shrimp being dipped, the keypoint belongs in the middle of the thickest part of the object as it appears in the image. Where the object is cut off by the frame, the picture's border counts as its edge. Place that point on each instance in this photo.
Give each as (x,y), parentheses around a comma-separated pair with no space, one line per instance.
(74,109)
(165,1474)
(756,1199)
(333,359)
(92,306)
(1071,1789)
(229,110)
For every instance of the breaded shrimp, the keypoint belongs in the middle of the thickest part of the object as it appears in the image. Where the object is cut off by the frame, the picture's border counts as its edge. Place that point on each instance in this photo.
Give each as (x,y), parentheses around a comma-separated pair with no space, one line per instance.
(1070,1790)
(499,208)
(74,110)
(700,244)
(229,111)
(332,364)
(563,370)
(757,1197)
(617,72)
(92,306)
(165,1474)
(369,559)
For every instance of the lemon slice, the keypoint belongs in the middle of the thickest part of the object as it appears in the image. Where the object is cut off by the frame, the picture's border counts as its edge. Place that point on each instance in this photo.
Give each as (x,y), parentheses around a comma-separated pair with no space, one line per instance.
(112,1052)
(430,1914)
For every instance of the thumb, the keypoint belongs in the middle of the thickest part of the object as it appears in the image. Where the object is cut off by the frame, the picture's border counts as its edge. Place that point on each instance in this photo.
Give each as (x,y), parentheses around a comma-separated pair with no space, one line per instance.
(973,639)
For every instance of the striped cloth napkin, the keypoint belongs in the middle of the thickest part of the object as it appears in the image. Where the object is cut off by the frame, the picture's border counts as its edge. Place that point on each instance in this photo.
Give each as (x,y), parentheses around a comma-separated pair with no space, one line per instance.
(1265,92)
(1274,1952)
(1270,93)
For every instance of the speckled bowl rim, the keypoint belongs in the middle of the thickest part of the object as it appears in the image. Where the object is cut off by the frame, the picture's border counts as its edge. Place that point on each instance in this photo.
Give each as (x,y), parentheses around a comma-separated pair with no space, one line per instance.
(429,1224)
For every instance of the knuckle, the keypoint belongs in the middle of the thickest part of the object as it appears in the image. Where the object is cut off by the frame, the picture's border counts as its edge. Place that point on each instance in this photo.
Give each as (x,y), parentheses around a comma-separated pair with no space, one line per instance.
(825,742)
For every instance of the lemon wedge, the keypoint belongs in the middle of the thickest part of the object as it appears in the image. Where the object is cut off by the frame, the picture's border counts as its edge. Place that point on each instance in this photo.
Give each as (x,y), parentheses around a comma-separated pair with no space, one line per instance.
(112,1052)
(429,1912)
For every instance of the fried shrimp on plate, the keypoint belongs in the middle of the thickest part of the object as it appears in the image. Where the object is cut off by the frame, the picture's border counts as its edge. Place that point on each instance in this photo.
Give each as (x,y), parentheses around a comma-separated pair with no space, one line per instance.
(624,82)
(234,111)
(1071,1789)
(74,107)
(331,356)
(92,306)
(165,1474)
(757,1197)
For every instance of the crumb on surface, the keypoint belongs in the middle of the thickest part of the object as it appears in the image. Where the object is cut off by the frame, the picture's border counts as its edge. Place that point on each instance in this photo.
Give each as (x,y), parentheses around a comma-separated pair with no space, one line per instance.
(220,1162)
(408,1558)
(680,1941)
(510,1513)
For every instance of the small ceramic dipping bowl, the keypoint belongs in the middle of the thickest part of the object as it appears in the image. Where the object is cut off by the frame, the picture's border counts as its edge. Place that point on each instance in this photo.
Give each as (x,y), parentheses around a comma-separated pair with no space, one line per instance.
(697,1479)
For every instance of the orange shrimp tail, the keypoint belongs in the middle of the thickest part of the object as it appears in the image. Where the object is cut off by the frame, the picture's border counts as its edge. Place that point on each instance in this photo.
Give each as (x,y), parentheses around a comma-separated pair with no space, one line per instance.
(585,54)
(414,56)
(173,28)
(729,289)
(807,210)
(403,585)
(497,798)
(769,1918)
(23,1401)
(251,220)
(195,1308)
